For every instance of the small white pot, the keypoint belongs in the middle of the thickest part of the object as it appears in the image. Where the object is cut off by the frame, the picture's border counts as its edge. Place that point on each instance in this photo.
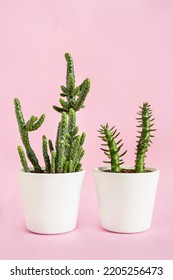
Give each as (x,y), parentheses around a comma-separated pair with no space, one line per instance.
(126,200)
(51,201)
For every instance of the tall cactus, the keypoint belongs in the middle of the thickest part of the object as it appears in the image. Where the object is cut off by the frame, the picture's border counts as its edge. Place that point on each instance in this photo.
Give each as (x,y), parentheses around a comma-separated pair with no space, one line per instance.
(108,135)
(66,155)
(33,124)
(74,96)
(145,123)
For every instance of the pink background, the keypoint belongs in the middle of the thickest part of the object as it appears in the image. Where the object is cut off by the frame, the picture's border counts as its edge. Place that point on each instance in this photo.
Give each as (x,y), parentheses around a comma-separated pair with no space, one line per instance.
(126,49)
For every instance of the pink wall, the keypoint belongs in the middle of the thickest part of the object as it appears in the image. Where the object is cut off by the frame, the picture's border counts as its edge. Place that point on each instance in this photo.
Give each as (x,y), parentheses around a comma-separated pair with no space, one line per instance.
(125,48)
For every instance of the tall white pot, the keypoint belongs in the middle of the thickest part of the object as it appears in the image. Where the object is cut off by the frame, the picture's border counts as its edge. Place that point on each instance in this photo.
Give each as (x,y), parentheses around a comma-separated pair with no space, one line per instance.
(126,200)
(51,201)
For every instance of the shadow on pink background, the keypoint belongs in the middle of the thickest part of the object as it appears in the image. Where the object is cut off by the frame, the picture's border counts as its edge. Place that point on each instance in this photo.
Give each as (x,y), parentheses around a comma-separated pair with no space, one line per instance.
(125,48)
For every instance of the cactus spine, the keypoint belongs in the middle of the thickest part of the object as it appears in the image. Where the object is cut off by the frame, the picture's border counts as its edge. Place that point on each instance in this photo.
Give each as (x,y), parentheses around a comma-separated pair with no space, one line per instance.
(145,123)
(108,136)
(24,128)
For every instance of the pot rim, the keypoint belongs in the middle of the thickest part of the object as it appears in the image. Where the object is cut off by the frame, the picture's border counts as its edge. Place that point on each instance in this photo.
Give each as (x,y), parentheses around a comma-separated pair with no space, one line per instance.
(50,174)
(100,169)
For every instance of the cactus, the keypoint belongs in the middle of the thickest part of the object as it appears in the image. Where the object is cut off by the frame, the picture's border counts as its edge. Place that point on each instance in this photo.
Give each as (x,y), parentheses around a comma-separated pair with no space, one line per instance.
(108,136)
(112,152)
(24,128)
(145,123)
(75,96)
(67,153)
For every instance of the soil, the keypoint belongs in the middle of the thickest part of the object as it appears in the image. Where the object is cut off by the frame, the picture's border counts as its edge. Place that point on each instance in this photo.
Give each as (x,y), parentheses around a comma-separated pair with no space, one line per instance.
(128,171)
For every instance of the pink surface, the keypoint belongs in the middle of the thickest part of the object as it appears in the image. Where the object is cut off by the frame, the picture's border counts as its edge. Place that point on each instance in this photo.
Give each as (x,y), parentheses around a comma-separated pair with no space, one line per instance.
(125,47)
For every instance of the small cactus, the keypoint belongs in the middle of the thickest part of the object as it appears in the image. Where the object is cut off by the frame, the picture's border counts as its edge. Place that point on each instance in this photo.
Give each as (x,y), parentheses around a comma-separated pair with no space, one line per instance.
(109,135)
(144,140)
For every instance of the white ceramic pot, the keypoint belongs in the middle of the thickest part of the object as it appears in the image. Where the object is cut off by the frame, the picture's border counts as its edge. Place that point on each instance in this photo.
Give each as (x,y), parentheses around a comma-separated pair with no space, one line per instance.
(51,201)
(126,200)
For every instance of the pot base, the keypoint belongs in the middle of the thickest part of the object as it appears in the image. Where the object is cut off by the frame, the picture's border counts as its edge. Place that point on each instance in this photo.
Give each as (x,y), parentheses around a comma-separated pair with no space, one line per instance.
(56,232)
(128,232)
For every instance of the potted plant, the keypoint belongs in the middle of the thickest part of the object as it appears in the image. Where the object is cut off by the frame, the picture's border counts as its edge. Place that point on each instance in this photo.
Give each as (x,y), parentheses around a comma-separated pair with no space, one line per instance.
(126,194)
(51,194)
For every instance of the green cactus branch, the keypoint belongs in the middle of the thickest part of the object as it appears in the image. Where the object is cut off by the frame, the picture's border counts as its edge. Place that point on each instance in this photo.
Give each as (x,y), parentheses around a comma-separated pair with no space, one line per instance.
(53,161)
(78,168)
(72,128)
(51,148)
(38,124)
(144,139)
(69,145)
(75,150)
(70,76)
(84,89)
(74,96)
(61,142)
(59,110)
(23,159)
(24,128)
(30,123)
(34,123)
(45,154)
(113,148)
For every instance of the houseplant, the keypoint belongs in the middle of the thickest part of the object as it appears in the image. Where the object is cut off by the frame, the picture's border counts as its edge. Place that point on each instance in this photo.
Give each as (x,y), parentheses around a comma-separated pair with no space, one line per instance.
(51,194)
(126,194)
